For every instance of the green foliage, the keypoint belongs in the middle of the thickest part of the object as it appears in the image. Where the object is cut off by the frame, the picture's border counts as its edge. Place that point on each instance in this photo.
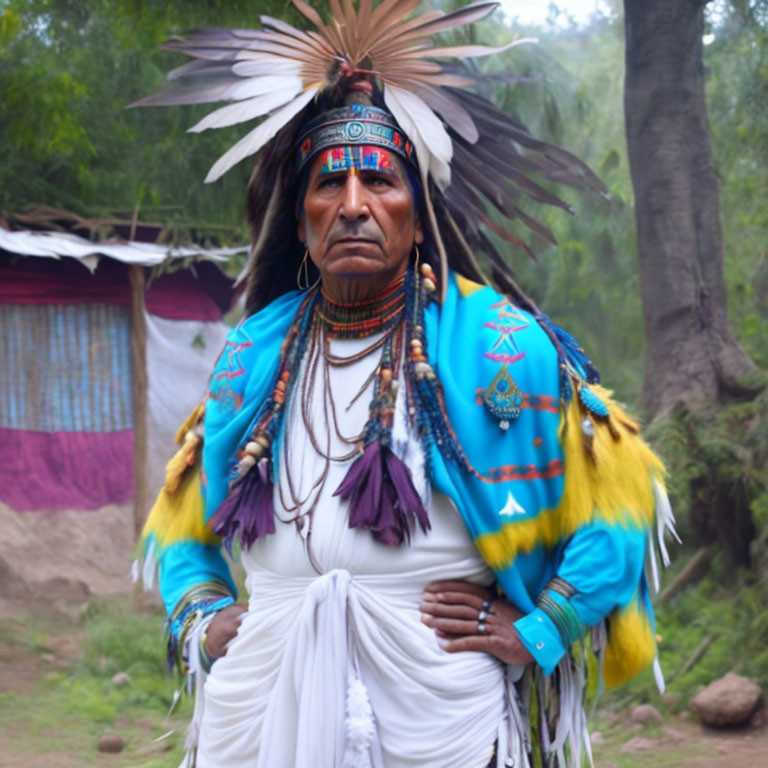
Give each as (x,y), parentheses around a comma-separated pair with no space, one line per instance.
(737,61)
(718,449)
(68,72)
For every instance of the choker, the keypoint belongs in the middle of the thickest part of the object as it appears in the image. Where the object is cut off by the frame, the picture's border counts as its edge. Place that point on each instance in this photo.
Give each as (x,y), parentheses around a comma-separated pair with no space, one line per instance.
(358,319)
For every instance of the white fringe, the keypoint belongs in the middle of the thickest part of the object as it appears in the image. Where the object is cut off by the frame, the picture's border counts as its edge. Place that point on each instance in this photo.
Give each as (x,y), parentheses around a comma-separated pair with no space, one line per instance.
(571,738)
(148,568)
(513,747)
(665,520)
(658,675)
(195,680)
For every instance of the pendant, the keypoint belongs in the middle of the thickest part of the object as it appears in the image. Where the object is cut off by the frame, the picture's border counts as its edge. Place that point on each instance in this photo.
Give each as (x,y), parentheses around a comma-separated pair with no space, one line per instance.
(503,398)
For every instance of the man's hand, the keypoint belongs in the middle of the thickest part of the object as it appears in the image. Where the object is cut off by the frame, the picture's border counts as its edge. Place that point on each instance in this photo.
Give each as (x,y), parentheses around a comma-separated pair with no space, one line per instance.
(223,628)
(452,608)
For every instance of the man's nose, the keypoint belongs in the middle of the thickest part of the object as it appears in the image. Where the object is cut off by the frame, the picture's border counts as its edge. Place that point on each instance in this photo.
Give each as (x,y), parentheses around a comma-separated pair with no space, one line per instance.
(354,205)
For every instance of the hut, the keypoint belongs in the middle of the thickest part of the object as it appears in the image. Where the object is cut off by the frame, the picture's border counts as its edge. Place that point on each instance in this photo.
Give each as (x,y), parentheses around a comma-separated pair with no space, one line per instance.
(105,348)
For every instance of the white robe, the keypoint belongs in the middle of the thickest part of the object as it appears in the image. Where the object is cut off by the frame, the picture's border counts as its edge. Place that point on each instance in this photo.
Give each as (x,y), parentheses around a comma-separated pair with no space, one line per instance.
(334,669)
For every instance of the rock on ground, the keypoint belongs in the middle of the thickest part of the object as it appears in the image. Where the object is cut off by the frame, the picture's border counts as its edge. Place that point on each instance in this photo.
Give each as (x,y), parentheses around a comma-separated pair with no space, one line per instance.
(111,742)
(645,714)
(121,679)
(727,702)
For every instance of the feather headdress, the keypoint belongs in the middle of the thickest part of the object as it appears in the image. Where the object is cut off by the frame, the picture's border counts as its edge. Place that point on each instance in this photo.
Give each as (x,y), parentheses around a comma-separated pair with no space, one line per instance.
(474,161)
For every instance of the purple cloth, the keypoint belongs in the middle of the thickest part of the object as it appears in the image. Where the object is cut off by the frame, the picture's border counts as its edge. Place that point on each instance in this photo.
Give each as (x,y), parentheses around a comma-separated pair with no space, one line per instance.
(65,470)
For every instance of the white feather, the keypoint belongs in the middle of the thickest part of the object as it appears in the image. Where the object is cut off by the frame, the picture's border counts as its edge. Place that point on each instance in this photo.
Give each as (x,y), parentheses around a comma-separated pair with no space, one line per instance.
(259,64)
(149,569)
(434,148)
(665,520)
(653,566)
(259,136)
(249,87)
(658,674)
(246,110)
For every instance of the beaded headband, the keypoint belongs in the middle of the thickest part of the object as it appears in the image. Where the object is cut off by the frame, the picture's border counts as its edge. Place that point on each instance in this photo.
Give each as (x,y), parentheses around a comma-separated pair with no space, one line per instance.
(352,125)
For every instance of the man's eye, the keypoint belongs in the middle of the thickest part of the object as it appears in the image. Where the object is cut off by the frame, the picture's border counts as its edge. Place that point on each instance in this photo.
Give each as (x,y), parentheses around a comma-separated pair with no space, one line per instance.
(378,181)
(333,181)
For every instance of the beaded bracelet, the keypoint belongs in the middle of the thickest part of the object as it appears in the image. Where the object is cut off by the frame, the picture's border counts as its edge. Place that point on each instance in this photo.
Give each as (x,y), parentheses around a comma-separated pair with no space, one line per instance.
(564,616)
(201,600)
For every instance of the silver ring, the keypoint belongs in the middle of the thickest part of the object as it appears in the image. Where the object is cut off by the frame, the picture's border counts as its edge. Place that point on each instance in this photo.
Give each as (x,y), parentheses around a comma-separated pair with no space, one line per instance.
(482,616)
(482,629)
(487,605)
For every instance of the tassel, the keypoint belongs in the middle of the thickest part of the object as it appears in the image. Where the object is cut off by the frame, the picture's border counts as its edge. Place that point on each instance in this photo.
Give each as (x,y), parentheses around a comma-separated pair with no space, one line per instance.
(360,725)
(248,512)
(382,497)
(184,458)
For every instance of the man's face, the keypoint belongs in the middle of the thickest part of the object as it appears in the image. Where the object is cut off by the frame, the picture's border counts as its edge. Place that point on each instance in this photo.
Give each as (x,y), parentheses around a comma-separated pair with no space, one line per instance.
(359,216)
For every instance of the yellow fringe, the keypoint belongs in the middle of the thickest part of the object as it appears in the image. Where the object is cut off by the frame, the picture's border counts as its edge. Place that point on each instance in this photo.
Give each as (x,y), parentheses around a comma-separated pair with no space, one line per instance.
(179,516)
(615,487)
(631,645)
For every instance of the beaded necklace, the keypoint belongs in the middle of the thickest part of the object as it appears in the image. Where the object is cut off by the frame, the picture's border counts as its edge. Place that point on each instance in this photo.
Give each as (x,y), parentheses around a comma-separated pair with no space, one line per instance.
(378,486)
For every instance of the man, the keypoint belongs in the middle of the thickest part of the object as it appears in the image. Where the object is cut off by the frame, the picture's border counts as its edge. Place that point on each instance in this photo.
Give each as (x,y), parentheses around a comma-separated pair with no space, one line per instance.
(433,499)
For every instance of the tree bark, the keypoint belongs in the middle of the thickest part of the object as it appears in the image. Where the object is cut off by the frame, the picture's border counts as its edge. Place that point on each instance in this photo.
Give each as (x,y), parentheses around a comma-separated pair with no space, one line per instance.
(691,354)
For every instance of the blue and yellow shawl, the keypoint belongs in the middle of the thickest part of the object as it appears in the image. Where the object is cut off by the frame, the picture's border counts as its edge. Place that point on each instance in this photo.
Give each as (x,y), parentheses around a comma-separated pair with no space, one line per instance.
(541,506)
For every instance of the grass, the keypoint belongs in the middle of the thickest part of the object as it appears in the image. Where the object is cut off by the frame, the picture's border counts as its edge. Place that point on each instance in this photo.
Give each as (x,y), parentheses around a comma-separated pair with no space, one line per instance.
(66,711)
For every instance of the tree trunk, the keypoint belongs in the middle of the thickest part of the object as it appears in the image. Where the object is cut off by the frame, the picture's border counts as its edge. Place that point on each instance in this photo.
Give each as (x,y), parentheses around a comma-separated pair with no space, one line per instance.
(691,354)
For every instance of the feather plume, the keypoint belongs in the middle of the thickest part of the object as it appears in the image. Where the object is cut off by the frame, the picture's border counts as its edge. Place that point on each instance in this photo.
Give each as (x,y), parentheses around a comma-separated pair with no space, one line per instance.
(477,164)
(263,68)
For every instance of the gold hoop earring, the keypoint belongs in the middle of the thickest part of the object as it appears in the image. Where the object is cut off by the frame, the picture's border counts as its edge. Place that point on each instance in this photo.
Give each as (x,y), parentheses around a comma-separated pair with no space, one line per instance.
(305,267)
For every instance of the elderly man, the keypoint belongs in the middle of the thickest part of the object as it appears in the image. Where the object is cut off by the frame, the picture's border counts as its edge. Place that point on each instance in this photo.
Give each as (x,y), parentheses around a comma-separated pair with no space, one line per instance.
(432,498)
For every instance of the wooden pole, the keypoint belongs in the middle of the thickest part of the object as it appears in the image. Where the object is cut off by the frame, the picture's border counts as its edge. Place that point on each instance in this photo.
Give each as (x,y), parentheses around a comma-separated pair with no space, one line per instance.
(140,386)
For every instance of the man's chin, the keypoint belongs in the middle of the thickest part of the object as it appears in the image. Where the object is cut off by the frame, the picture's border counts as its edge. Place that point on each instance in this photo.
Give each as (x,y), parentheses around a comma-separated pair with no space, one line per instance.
(356,266)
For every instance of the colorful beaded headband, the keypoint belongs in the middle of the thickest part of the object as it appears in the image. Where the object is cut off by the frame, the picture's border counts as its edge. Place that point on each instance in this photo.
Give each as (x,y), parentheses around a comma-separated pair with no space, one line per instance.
(352,125)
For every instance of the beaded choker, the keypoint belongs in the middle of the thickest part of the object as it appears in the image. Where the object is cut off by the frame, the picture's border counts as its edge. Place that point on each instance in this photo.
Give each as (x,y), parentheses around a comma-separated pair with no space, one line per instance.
(355,320)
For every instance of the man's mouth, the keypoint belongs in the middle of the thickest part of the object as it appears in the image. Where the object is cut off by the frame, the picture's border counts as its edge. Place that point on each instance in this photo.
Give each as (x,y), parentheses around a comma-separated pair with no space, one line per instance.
(355,240)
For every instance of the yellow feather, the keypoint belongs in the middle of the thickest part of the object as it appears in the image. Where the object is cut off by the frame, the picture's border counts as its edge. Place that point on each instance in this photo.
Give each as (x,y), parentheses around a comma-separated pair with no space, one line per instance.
(615,487)
(180,516)
(631,645)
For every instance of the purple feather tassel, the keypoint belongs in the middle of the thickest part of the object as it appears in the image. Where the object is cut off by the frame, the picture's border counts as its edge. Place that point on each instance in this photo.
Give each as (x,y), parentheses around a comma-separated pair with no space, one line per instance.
(248,511)
(381,496)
